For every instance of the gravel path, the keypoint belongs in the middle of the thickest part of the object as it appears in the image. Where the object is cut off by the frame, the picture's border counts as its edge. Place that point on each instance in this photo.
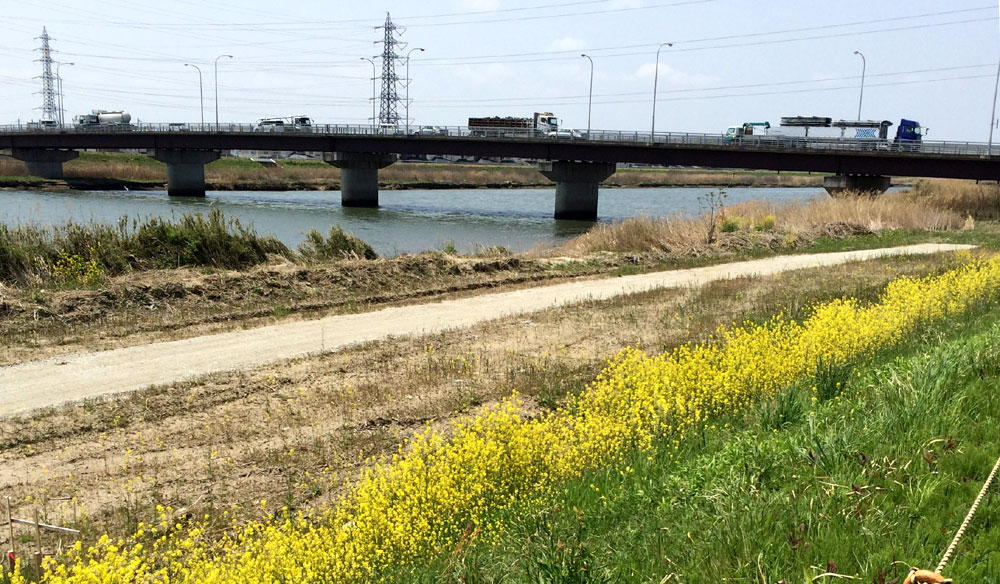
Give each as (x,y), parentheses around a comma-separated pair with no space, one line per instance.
(80,376)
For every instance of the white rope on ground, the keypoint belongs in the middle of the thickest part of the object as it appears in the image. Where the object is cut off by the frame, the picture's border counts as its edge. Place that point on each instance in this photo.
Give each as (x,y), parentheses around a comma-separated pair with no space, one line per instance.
(968,518)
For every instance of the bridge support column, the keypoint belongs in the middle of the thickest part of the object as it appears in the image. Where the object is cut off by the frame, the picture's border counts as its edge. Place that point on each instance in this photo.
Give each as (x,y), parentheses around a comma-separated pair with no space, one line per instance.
(871,184)
(186,170)
(576,186)
(359,176)
(43,163)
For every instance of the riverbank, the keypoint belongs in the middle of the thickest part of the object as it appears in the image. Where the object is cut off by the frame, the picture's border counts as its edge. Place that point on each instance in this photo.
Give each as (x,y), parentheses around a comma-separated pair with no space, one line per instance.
(250,445)
(118,171)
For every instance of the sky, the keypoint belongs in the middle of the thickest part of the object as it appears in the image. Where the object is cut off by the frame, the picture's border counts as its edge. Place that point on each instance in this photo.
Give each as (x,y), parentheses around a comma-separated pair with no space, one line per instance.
(731,61)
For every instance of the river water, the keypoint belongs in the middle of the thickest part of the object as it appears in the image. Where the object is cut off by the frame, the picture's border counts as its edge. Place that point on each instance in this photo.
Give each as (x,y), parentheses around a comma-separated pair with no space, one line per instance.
(406,221)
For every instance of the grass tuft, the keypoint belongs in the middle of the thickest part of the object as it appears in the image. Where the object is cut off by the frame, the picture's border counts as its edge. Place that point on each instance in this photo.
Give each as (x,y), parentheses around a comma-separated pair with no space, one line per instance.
(338,244)
(83,254)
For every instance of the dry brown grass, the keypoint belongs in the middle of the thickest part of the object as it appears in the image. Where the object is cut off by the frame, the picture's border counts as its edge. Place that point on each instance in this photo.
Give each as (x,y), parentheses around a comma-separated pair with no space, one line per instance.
(230,174)
(114,169)
(783,224)
(11,167)
(979,200)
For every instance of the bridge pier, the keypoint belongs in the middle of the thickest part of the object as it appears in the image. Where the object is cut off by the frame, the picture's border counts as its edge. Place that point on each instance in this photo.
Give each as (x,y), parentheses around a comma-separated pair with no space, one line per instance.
(872,184)
(576,186)
(42,162)
(359,176)
(186,170)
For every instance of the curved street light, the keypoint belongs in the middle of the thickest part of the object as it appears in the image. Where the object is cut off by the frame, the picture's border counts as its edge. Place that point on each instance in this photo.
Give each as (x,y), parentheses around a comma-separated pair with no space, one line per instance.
(62,110)
(864,65)
(374,75)
(408,87)
(590,93)
(993,112)
(656,75)
(217,89)
(201,94)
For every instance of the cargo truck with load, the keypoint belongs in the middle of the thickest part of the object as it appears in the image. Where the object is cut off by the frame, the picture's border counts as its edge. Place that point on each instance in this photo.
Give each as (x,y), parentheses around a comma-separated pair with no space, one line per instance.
(542,124)
(104,120)
(825,132)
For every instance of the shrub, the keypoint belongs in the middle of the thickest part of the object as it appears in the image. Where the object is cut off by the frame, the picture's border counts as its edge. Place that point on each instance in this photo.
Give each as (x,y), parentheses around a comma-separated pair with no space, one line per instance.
(766,223)
(338,244)
(730,225)
(83,254)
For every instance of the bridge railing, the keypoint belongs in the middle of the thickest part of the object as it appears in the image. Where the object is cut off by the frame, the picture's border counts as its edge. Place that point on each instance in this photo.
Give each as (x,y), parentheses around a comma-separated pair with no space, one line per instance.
(762,142)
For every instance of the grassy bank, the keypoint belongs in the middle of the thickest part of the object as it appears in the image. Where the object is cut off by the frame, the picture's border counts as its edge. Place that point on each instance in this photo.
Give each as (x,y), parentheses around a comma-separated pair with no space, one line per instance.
(84,255)
(137,171)
(456,486)
(217,447)
(858,474)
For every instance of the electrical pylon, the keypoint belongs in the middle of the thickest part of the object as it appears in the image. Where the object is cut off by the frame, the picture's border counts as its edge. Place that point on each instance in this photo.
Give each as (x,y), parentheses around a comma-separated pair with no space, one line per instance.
(389,105)
(49,109)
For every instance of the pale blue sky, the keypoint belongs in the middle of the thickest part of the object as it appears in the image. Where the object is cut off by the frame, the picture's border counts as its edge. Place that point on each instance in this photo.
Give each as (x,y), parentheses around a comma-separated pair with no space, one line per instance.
(731,61)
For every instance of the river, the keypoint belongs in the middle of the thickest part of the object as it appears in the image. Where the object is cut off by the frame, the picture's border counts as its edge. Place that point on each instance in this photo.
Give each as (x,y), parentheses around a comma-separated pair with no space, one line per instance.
(407,221)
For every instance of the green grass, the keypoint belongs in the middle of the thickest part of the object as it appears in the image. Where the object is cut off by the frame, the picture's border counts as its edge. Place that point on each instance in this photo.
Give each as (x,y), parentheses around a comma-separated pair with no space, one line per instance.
(873,477)
(75,254)
(986,237)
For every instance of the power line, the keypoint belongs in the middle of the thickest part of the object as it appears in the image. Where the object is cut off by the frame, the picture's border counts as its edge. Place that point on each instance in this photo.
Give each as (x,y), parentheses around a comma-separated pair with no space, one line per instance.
(500,103)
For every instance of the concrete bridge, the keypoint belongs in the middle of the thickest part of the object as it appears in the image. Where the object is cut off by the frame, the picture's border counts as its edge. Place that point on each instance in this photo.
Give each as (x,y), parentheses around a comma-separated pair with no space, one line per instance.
(576,165)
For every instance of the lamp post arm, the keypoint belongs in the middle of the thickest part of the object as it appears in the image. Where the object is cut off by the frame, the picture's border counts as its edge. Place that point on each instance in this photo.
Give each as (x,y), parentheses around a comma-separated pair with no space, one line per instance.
(656,76)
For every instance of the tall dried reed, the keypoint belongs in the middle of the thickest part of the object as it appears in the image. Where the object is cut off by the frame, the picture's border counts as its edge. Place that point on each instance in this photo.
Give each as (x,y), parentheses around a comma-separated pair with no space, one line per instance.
(798,220)
(980,200)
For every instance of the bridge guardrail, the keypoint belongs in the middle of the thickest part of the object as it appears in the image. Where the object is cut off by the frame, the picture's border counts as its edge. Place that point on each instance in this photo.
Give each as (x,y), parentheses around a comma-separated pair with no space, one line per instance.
(763,142)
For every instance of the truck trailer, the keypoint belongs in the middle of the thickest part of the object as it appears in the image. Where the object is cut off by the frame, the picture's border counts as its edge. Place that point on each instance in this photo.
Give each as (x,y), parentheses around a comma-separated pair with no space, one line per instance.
(541,124)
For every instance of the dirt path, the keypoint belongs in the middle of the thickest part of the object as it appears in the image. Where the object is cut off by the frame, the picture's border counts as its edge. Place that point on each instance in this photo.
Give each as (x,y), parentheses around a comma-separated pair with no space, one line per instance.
(81,376)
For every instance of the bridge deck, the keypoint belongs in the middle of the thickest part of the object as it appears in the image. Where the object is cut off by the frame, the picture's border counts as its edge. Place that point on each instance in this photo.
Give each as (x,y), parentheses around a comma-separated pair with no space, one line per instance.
(866,157)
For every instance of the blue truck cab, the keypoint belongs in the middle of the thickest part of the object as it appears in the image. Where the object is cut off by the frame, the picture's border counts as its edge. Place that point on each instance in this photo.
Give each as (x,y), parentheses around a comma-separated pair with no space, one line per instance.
(909,134)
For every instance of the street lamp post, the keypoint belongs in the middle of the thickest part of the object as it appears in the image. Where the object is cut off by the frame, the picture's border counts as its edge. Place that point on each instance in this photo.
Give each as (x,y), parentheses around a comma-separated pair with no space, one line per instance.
(62,110)
(656,75)
(408,87)
(217,89)
(374,75)
(201,94)
(993,112)
(864,65)
(590,93)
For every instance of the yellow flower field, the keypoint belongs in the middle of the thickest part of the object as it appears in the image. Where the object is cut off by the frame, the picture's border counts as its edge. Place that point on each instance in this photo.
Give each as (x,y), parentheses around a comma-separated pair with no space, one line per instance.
(437,490)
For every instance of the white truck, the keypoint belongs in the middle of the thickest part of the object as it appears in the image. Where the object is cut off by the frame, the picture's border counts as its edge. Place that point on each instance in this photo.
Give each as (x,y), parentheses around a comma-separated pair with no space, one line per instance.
(104,120)
(286,124)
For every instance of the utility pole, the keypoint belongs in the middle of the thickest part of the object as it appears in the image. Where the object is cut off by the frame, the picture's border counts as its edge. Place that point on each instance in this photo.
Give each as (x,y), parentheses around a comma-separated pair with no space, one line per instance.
(388,115)
(993,111)
(590,93)
(656,76)
(217,89)
(201,95)
(62,109)
(374,99)
(408,87)
(864,65)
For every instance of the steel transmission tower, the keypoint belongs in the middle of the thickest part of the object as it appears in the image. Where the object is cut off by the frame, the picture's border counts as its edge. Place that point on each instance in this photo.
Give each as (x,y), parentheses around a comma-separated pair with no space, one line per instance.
(389,102)
(49,109)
